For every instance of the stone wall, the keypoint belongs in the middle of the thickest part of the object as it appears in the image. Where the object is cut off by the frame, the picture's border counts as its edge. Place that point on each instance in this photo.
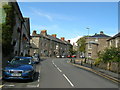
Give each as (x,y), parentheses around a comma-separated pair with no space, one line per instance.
(114,66)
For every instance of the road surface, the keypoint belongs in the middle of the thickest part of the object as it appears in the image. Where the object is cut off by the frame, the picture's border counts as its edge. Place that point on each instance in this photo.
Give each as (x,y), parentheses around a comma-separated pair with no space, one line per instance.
(58,73)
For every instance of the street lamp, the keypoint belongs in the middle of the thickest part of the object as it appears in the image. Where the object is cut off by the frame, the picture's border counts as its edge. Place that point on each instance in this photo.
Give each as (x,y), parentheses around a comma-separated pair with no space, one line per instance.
(88,43)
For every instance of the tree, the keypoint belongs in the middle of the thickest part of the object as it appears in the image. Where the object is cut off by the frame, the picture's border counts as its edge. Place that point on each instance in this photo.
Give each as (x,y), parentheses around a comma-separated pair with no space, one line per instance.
(81,44)
(72,52)
(110,55)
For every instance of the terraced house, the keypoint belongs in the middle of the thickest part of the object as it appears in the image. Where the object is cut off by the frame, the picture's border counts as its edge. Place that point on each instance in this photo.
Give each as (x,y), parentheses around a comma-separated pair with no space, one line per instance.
(49,45)
(114,41)
(20,32)
(96,44)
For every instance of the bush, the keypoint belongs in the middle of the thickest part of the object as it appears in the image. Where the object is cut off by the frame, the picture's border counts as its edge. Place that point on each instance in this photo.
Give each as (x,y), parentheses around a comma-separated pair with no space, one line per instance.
(110,55)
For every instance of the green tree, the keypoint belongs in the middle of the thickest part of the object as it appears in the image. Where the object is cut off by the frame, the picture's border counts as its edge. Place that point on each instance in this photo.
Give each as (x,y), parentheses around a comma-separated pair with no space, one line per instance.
(110,55)
(72,52)
(81,44)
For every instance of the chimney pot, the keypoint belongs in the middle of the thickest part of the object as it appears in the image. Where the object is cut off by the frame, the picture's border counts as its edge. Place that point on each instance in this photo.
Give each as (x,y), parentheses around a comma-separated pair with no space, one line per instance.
(62,38)
(101,32)
(69,41)
(34,32)
(54,35)
(44,32)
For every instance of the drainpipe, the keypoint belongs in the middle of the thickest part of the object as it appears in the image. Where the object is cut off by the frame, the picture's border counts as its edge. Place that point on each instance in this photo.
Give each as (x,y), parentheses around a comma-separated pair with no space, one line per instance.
(20,39)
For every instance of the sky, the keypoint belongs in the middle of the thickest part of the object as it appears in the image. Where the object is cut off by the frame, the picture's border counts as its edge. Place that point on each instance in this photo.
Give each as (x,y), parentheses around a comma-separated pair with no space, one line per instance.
(70,19)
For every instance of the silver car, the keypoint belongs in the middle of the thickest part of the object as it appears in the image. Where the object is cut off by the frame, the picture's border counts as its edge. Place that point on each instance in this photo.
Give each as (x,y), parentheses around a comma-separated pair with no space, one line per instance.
(36,59)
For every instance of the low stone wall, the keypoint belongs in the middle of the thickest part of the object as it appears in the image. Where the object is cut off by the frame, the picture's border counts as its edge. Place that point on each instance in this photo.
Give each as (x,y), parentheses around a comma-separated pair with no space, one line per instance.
(114,66)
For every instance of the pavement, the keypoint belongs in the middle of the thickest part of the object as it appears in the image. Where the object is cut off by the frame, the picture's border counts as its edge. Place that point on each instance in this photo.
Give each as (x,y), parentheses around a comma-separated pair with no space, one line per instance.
(59,73)
(115,77)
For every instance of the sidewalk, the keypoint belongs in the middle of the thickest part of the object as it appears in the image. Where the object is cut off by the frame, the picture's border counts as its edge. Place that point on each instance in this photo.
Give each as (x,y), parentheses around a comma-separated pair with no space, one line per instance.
(106,73)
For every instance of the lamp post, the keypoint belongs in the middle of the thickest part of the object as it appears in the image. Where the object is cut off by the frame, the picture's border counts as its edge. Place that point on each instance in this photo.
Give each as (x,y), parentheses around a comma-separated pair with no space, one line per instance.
(88,43)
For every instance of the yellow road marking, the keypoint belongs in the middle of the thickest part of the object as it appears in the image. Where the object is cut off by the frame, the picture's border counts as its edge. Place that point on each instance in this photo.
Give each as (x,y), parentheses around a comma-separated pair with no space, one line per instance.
(1,86)
(98,73)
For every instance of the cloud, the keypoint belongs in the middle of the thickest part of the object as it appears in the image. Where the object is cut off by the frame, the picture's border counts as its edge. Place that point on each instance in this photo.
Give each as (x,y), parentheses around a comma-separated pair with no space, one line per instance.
(43,14)
(74,40)
(52,16)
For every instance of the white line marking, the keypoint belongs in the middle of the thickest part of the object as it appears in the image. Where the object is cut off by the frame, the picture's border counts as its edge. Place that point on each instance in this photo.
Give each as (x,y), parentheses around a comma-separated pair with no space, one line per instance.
(38,80)
(59,69)
(38,85)
(68,80)
(55,66)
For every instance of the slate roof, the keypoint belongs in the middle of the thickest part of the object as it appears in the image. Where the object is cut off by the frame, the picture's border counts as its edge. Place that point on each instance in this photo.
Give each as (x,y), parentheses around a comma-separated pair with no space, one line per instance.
(117,35)
(52,38)
(100,36)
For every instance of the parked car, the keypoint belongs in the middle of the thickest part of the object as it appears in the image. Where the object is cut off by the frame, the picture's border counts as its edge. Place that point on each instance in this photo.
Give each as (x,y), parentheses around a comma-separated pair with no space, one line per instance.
(36,59)
(69,56)
(73,56)
(63,56)
(23,68)
(58,56)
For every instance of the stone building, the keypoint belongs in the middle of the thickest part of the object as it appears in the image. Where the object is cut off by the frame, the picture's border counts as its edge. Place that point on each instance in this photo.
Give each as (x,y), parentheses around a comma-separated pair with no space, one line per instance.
(114,41)
(96,44)
(21,30)
(49,45)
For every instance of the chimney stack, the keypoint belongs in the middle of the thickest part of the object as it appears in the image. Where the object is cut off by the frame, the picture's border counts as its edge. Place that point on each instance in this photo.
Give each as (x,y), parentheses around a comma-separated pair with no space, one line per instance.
(62,38)
(54,35)
(95,33)
(34,33)
(69,41)
(44,32)
(101,32)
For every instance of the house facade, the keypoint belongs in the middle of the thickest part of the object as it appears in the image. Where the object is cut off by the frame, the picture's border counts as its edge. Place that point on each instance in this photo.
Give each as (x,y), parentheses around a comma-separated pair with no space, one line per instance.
(49,45)
(95,44)
(114,41)
(21,30)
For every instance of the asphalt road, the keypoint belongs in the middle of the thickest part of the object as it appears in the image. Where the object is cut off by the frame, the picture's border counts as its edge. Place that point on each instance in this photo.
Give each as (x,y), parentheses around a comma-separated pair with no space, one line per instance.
(58,73)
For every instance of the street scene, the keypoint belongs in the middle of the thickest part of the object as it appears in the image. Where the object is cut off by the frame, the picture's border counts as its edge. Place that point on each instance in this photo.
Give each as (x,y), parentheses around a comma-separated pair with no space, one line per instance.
(59,45)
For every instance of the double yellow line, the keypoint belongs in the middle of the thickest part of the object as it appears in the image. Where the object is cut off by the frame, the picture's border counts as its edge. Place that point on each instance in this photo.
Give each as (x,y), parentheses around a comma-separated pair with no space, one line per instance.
(99,73)
(1,86)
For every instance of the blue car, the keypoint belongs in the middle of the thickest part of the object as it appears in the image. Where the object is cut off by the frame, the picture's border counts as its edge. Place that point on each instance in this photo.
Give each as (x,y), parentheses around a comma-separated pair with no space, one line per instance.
(20,68)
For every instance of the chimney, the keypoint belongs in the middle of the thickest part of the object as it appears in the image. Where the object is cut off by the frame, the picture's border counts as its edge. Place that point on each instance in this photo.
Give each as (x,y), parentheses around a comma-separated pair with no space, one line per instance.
(69,41)
(44,32)
(62,38)
(34,33)
(101,32)
(95,33)
(54,35)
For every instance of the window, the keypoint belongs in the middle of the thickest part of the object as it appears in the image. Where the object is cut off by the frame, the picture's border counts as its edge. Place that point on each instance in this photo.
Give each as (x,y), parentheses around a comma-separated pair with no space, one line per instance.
(116,43)
(89,54)
(89,46)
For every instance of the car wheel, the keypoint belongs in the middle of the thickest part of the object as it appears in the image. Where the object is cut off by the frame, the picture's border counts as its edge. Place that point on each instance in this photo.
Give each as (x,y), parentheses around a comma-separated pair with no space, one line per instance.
(32,78)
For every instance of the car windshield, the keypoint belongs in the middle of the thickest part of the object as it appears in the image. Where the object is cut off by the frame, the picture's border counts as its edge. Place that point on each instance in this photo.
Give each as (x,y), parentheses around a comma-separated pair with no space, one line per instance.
(20,61)
(35,57)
